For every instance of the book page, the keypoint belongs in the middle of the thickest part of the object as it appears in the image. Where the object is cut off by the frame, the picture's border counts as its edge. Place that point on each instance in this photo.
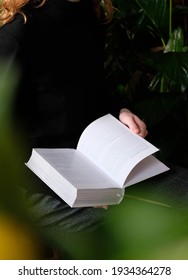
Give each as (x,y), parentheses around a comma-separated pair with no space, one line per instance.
(76,168)
(113,147)
(147,168)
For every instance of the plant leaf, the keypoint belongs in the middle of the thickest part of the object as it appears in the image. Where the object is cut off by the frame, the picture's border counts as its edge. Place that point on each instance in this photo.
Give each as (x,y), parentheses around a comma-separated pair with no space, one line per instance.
(176,41)
(174,65)
(157,13)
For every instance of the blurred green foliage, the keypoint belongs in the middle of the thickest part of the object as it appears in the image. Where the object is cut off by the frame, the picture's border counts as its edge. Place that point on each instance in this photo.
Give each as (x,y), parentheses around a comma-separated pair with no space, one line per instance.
(10,179)
(18,238)
(136,229)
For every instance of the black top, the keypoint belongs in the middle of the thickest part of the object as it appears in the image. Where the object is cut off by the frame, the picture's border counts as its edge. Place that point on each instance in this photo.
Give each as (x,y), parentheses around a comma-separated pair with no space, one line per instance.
(60,52)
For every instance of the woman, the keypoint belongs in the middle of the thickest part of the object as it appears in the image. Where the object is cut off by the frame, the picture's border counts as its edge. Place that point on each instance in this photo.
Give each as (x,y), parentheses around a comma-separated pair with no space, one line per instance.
(58,46)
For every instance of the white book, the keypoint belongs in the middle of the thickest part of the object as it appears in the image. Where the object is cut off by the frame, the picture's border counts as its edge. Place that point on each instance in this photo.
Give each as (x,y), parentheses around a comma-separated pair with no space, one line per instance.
(108,158)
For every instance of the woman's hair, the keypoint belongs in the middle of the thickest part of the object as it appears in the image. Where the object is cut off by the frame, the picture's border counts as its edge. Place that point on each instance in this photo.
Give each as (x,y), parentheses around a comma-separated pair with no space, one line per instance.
(8,8)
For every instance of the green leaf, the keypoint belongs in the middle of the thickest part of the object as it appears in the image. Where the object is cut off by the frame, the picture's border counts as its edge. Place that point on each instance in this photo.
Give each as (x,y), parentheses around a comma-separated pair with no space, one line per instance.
(176,41)
(157,13)
(174,65)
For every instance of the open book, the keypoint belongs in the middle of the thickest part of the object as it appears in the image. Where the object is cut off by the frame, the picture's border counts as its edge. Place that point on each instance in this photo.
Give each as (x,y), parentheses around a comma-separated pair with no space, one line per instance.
(108,158)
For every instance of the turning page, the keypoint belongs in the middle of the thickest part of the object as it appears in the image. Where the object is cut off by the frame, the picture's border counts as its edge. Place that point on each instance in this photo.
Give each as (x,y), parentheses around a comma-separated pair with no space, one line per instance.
(113,147)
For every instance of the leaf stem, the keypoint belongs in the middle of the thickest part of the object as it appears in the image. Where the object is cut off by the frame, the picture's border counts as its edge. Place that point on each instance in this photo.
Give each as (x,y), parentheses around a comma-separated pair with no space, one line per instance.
(149,201)
(170,18)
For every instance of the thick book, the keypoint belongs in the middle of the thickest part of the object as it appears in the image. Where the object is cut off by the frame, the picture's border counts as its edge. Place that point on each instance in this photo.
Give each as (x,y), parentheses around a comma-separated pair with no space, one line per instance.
(108,158)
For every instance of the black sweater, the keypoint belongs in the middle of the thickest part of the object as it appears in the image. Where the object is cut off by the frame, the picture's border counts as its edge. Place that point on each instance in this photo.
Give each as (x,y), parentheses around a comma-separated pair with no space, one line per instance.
(60,53)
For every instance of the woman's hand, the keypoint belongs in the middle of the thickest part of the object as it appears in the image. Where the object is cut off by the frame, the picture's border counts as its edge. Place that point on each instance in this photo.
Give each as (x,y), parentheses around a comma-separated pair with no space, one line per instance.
(105,207)
(134,123)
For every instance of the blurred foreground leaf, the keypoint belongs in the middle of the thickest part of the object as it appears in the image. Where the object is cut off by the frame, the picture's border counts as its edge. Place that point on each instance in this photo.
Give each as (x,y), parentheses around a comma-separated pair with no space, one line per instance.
(17,238)
(11,177)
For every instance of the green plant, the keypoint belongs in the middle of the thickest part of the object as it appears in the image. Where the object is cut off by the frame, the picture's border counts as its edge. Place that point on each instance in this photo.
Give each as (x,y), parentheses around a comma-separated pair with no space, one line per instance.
(147,64)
